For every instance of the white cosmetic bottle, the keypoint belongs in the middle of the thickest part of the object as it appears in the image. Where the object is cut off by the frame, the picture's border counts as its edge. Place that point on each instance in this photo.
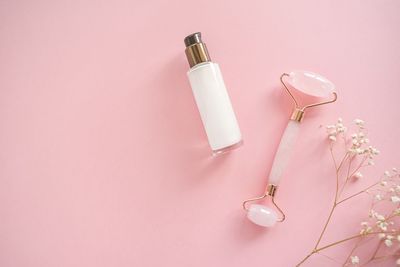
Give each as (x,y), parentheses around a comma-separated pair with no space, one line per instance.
(211,97)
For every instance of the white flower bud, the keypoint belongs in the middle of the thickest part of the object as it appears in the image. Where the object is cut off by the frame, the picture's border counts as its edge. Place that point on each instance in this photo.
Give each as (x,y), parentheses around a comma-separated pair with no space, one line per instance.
(380,217)
(395,199)
(355,260)
(383,226)
(388,242)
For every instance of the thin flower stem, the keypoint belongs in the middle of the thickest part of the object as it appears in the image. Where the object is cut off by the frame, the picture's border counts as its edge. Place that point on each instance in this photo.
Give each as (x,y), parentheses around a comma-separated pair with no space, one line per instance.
(333,156)
(343,160)
(334,203)
(347,239)
(305,258)
(386,256)
(325,226)
(358,193)
(376,250)
(351,175)
(337,168)
(347,175)
(358,168)
(328,257)
(381,258)
(351,252)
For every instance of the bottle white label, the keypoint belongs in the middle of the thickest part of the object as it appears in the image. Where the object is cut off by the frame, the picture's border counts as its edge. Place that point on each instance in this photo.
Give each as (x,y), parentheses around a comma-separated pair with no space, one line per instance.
(215,107)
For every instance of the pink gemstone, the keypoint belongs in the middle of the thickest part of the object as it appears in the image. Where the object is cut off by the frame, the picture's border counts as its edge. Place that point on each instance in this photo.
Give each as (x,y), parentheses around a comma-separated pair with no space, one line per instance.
(262,215)
(311,83)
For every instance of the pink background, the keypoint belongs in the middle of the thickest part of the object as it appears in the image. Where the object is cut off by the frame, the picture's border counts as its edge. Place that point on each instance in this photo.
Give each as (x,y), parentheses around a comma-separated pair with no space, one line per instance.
(103,158)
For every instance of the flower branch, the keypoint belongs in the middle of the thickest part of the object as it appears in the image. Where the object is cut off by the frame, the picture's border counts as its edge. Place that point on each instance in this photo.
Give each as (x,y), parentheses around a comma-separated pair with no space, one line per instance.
(379,227)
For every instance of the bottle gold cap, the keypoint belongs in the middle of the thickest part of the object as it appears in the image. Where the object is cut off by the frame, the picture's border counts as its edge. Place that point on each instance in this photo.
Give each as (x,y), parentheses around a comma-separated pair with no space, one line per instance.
(196,51)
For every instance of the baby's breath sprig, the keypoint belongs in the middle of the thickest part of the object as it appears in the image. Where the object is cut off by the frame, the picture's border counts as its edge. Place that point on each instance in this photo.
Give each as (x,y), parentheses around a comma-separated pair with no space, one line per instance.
(382,225)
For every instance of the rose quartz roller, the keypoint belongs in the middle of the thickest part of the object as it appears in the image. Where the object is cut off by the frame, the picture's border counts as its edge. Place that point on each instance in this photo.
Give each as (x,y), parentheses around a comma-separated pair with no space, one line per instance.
(308,83)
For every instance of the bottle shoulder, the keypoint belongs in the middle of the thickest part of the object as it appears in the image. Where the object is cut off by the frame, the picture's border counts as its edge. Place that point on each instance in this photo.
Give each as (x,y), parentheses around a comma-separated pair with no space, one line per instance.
(208,64)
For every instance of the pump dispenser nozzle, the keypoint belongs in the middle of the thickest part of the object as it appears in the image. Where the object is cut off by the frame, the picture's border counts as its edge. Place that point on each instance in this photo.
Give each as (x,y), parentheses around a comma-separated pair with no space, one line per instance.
(193,39)
(196,51)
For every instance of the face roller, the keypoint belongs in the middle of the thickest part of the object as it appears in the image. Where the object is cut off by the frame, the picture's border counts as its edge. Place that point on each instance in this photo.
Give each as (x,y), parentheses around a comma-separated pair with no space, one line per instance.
(308,83)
